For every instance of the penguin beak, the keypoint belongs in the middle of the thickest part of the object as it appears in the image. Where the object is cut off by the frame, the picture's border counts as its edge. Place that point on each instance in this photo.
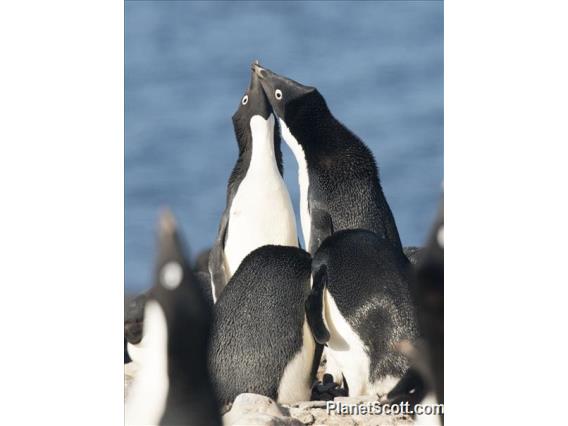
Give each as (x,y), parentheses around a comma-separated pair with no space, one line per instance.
(258,70)
(258,102)
(272,83)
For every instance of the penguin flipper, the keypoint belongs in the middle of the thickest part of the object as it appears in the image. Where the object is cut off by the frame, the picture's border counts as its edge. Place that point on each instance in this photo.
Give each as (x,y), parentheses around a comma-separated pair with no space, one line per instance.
(413,253)
(321,228)
(411,388)
(134,318)
(216,257)
(314,307)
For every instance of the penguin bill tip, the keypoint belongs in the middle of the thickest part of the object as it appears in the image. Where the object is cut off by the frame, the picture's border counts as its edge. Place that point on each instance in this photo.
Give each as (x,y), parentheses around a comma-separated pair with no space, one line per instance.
(167,221)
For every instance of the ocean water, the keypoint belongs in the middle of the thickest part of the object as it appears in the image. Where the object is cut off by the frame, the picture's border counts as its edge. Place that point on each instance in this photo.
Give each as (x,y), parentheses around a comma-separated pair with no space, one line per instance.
(378,64)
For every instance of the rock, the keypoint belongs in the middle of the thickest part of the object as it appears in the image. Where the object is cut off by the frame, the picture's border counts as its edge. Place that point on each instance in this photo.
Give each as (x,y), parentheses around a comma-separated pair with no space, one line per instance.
(322,418)
(302,415)
(250,403)
(262,419)
(311,404)
(356,399)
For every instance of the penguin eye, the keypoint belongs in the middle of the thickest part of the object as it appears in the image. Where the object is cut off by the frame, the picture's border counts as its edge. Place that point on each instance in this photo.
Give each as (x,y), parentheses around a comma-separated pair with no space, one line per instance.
(245,100)
(278,94)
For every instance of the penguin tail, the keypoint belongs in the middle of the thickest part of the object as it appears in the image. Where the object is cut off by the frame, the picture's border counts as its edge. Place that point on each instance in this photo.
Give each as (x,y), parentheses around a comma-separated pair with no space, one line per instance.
(314,306)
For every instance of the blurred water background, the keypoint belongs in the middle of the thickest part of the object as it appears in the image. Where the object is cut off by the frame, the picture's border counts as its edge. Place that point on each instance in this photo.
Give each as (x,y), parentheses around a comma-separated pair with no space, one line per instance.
(378,64)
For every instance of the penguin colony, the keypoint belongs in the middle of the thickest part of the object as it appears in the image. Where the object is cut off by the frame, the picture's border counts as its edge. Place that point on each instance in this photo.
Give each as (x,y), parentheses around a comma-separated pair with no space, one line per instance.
(258,317)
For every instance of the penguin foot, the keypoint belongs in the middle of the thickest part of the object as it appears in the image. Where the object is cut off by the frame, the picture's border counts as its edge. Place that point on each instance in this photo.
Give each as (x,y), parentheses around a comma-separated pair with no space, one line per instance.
(327,389)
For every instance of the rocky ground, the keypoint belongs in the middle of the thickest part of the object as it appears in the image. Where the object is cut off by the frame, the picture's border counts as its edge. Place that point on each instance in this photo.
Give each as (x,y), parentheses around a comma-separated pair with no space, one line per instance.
(256,410)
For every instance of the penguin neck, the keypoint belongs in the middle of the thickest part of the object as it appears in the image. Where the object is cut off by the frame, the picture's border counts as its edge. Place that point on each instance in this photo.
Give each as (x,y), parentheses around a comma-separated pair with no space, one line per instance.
(263,157)
(303,179)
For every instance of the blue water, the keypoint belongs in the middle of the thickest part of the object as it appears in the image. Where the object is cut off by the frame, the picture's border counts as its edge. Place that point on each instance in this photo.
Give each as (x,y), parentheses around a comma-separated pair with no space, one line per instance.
(378,64)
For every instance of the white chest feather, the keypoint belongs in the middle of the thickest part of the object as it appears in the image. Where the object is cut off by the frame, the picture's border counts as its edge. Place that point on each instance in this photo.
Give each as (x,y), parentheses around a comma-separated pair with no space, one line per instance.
(347,353)
(295,382)
(303,181)
(261,212)
(147,399)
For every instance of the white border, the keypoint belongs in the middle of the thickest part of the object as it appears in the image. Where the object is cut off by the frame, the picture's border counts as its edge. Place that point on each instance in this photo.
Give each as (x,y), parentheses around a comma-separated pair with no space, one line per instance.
(506,142)
(61,215)
(61,212)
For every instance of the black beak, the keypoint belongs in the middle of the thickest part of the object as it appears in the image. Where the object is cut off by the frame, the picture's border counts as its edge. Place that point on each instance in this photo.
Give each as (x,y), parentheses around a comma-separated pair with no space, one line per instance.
(258,70)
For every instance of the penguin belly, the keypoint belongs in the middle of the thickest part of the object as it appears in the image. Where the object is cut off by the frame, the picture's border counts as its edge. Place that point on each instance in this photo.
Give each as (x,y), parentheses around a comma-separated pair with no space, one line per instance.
(295,382)
(146,400)
(346,349)
(261,213)
(351,356)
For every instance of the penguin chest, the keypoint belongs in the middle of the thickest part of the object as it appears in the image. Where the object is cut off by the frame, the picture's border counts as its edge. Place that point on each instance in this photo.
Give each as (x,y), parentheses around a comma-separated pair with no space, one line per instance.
(261,213)
(146,400)
(295,383)
(346,349)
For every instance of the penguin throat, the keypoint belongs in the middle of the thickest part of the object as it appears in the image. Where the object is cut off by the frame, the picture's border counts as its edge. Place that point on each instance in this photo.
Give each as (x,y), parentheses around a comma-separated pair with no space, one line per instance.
(263,158)
(303,179)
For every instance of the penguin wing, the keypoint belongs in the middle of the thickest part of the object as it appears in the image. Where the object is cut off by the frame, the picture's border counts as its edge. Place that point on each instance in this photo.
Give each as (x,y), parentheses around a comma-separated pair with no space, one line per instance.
(321,228)
(413,253)
(216,257)
(314,306)
(134,318)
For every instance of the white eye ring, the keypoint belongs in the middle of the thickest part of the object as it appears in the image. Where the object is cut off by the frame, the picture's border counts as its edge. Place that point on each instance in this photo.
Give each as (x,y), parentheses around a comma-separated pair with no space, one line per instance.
(278,94)
(245,100)
(171,275)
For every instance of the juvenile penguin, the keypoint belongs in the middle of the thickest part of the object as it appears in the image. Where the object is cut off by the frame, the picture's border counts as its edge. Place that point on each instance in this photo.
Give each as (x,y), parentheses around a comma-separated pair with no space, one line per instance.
(338,177)
(173,386)
(259,210)
(360,306)
(263,344)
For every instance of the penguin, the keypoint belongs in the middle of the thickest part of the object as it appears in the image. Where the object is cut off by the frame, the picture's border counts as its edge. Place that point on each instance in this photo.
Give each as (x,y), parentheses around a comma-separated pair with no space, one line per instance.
(134,316)
(427,355)
(258,209)
(360,307)
(338,177)
(172,385)
(428,290)
(263,344)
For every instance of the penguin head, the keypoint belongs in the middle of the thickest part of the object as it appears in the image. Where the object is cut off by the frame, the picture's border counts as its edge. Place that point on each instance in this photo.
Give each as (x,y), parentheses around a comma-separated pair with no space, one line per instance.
(177,293)
(290,100)
(253,106)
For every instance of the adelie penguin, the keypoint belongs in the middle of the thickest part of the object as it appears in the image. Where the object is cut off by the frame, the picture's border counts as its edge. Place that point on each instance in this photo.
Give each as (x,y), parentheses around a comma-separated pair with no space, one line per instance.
(360,306)
(259,210)
(338,177)
(427,288)
(262,344)
(134,317)
(173,386)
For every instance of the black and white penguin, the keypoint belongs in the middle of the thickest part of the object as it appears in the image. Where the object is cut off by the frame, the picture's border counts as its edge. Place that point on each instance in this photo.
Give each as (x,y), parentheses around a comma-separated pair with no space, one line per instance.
(263,344)
(172,385)
(428,290)
(427,354)
(338,177)
(134,316)
(360,306)
(259,210)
